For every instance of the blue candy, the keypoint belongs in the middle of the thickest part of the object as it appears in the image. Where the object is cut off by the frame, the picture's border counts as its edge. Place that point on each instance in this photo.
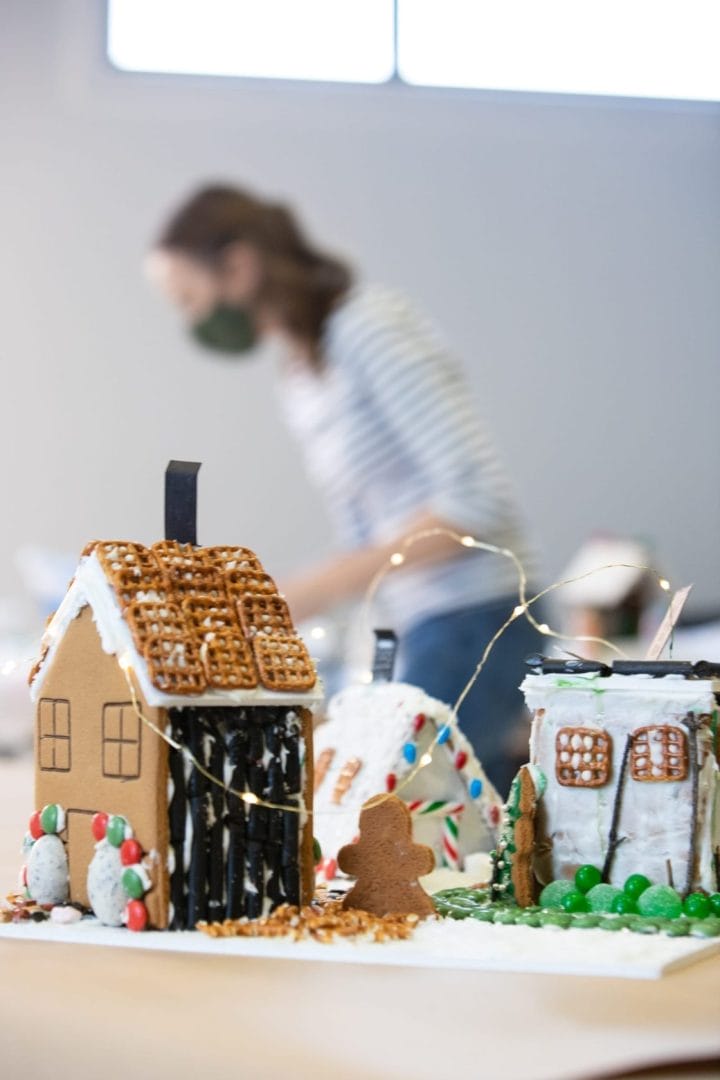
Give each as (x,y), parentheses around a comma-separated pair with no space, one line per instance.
(475,788)
(410,752)
(443,734)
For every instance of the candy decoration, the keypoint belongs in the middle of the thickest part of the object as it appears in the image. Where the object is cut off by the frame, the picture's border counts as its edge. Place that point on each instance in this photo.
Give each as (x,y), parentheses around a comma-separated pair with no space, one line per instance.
(390,781)
(317,851)
(715,903)
(130,852)
(136,916)
(47,871)
(636,884)
(450,827)
(587,877)
(601,897)
(117,830)
(36,829)
(132,883)
(552,895)
(460,759)
(327,868)
(623,905)
(52,818)
(475,788)
(99,826)
(443,734)
(410,752)
(660,900)
(697,905)
(419,723)
(575,901)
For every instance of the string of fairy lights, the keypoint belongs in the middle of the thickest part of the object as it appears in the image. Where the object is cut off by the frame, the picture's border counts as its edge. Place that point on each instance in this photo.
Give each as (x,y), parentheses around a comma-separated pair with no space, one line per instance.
(396,560)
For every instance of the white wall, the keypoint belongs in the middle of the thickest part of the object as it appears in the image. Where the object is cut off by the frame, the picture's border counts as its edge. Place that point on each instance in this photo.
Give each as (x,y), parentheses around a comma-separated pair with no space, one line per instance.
(569,247)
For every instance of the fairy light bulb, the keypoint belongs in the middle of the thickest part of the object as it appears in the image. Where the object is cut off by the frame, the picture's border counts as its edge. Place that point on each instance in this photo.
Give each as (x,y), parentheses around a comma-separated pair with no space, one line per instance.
(664,584)
(468,541)
(397,558)
(426,759)
(125,662)
(248,797)
(519,610)
(543,628)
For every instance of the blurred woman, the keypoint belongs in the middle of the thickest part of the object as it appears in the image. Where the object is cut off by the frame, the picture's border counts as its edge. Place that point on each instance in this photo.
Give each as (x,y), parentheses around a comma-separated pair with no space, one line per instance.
(388,432)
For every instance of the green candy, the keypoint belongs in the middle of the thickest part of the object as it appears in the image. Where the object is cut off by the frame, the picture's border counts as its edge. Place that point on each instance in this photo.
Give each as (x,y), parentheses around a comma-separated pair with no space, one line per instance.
(317,850)
(553,918)
(643,926)
(617,923)
(714,899)
(49,818)
(661,900)
(678,928)
(705,927)
(529,918)
(697,905)
(601,897)
(574,901)
(132,884)
(481,915)
(552,895)
(623,905)
(585,922)
(115,832)
(506,918)
(586,877)
(636,884)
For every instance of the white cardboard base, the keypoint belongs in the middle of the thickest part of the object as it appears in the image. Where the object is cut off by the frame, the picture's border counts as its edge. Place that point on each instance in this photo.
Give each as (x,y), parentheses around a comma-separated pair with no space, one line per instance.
(436,944)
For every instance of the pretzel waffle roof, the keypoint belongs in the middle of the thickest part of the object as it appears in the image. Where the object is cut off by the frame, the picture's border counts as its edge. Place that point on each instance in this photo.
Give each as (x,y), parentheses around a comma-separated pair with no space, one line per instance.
(193,614)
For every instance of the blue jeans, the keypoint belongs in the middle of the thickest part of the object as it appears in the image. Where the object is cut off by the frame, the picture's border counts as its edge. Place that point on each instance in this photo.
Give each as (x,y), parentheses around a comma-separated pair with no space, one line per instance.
(440,654)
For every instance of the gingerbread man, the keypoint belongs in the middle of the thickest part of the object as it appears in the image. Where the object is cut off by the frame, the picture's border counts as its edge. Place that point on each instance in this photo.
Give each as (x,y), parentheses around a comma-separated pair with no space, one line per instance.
(386,862)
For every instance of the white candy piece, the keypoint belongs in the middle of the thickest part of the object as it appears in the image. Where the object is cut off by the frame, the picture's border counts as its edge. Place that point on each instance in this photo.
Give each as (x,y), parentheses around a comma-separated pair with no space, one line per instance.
(104,885)
(47,871)
(66,915)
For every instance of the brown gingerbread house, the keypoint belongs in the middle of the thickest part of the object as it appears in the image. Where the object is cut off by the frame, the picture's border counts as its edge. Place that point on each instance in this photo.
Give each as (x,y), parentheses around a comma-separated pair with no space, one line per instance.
(174,696)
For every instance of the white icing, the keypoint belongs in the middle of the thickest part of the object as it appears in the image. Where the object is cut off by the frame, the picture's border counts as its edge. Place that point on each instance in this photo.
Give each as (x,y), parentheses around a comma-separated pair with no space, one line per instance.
(91,587)
(373,723)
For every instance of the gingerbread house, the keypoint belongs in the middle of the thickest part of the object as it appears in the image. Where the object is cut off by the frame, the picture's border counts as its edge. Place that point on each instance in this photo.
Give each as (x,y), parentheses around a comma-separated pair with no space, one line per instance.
(628,755)
(173,702)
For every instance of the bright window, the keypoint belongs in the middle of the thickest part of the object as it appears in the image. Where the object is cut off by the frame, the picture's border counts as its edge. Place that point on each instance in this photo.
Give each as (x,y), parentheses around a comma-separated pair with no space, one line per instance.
(334,40)
(630,48)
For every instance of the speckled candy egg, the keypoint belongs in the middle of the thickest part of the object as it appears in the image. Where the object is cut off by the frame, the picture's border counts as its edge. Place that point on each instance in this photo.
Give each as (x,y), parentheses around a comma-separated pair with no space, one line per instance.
(47,871)
(104,884)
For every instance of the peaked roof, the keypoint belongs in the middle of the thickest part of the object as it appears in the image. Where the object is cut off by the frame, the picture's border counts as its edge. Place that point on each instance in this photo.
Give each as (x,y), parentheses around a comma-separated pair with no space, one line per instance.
(195,623)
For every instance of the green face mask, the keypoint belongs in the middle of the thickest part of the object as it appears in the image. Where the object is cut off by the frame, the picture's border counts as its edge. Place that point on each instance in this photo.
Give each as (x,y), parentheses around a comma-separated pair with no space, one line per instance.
(226,329)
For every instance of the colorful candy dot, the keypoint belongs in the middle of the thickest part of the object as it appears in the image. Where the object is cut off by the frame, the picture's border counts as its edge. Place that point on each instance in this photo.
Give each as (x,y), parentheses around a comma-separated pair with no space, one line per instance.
(587,877)
(494,815)
(410,752)
(130,852)
(552,895)
(574,901)
(133,884)
(714,899)
(697,905)
(317,850)
(660,900)
(601,897)
(419,722)
(116,830)
(443,734)
(636,884)
(460,759)
(49,818)
(475,788)
(623,905)
(136,916)
(99,826)
(390,781)
(36,829)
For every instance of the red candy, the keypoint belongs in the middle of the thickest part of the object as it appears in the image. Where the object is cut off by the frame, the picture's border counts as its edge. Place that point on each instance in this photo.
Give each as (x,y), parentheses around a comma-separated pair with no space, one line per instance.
(460,759)
(390,781)
(36,829)
(494,815)
(419,722)
(136,915)
(130,852)
(99,826)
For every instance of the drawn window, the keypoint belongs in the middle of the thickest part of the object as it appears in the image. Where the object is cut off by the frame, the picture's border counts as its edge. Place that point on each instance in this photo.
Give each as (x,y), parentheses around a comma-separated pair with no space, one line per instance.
(582,757)
(121,742)
(659,753)
(54,735)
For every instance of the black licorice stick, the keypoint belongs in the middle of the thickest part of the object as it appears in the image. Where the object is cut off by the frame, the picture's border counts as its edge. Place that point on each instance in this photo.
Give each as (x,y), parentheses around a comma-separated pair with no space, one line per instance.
(693,723)
(197,799)
(216,762)
(236,748)
(176,821)
(613,840)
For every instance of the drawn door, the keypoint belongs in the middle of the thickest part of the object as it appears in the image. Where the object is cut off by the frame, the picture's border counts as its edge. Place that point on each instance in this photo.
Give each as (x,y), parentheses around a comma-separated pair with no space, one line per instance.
(81,848)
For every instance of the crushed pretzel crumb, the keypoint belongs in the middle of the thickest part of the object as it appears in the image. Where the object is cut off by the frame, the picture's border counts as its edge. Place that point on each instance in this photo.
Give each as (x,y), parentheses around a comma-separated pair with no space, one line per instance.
(317,922)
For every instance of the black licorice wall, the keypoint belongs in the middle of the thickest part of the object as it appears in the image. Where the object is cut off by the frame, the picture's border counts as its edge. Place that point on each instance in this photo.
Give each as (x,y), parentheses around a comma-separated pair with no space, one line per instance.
(231,859)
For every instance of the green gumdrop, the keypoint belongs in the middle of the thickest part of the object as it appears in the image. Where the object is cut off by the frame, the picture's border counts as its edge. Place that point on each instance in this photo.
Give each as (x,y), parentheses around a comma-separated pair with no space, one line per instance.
(586,877)
(575,901)
(623,905)
(552,894)
(714,899)
(636,884)
(132,884)
(660,900)
(49,818)
(697,905)
(317,850)
(115,832)
(601,897)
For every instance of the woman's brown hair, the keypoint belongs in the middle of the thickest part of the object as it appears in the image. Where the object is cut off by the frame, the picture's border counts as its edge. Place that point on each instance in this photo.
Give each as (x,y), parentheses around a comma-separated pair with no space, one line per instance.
(300,282)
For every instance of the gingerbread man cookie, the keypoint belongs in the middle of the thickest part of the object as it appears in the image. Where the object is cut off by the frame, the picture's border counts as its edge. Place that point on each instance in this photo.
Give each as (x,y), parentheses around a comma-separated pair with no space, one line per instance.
(386,862)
